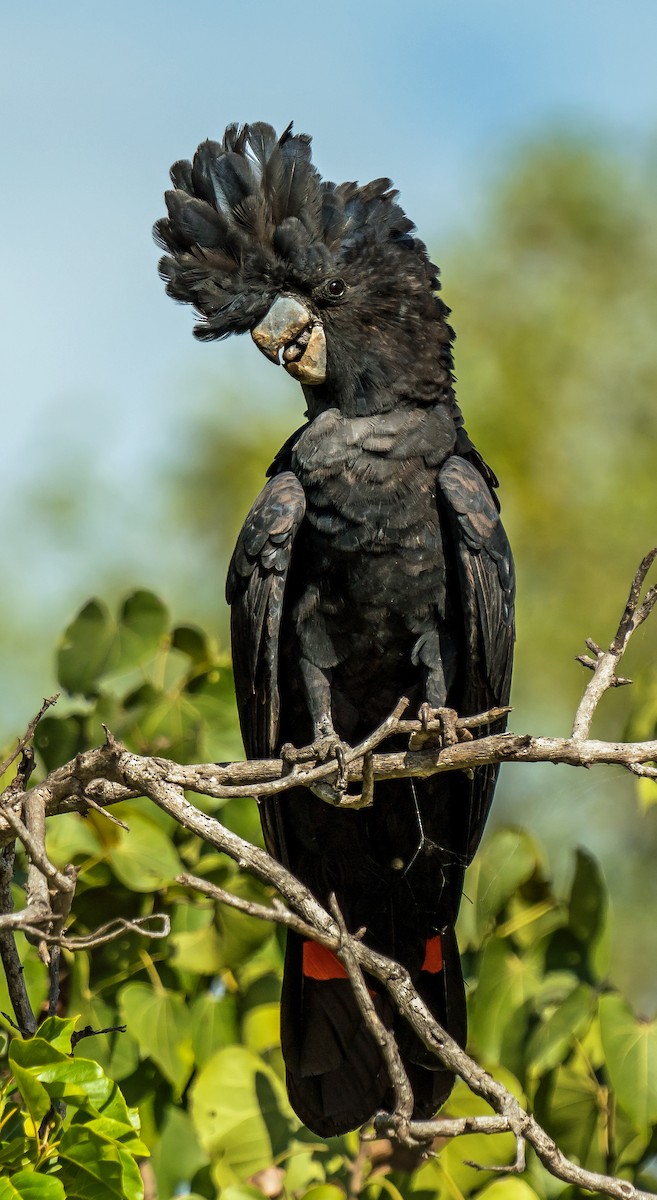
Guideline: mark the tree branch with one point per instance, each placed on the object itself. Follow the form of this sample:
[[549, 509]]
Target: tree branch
[[8, 953], [605, 663], [399, 1080], [26, 738], [111, 773], [311, 919], [100, 773]]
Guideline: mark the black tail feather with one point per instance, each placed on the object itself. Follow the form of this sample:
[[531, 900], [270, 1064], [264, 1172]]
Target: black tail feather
[[336, 1076]]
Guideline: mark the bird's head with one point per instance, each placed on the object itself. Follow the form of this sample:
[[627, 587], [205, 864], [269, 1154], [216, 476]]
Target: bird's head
[[328, 278]]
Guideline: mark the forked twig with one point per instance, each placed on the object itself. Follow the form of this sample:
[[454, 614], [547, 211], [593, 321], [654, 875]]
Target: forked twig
[[605, 663]]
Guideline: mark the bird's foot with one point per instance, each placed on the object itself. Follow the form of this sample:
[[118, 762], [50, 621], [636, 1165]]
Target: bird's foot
[[325, 747], [331, 746], [440, 727]]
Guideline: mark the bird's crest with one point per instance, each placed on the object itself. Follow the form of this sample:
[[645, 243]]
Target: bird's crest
[[251, 215]]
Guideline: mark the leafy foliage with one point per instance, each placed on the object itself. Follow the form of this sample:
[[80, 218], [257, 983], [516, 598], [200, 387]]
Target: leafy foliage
[[557, 375], [66, 1130], [201, 1060]]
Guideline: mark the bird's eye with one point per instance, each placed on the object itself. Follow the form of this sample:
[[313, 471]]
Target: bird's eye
[[336, 288]]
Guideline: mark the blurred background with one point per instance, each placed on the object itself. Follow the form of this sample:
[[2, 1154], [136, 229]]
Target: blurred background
[[523, 139]]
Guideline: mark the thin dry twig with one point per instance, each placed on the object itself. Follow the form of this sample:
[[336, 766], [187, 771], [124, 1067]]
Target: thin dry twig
[[605, 663], [397, 1075], [26, 738], [108, 932]]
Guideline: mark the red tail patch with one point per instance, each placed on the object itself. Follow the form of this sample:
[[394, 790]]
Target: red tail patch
[[320, 963], [433, 955]]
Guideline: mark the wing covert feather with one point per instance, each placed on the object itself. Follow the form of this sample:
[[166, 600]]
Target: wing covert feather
[[255, 590], [487, 581], [487, 589]]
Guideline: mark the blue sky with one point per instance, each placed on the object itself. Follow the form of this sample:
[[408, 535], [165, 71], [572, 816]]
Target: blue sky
[[98, 100]]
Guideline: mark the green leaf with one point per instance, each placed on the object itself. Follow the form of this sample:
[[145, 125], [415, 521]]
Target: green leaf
[[124, 1057], [197, 951], [75, 1081], [143, 622], [19, 1150], [213, 1025], [71, 836], [214, 700], [327, 1191], [31, 1185], [191, 641], [506, 982], [552, 1041], [261, 1027], [117, 1123], [571, 1106], [116, 1108], [96, 1169], [429, 1182], [85, 649], [34, 1095], [241, 1113], [246, 1191], [58, 1031], [242, 934], [177, 1156], [630, 1047], [159, 1021], [587, 910], [115, 1132], [58, 740], [507, 861], [508, 1189], [303, 1167], [94, 1012], [143, 858], [457, 1156], [169, 724], [588, 897]]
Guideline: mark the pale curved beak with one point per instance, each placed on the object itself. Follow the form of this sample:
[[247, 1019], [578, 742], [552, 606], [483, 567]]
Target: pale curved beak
[[290, 327]]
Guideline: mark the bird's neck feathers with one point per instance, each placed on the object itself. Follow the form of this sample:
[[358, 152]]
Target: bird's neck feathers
[[404, 356]]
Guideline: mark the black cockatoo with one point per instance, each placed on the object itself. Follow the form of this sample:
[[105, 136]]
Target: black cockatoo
[[372, 565]]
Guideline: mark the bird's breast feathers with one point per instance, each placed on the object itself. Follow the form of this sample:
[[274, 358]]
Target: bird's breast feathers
[[370, 482]]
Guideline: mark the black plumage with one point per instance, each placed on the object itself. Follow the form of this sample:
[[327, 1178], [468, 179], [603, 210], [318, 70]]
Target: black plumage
[[372, 565]]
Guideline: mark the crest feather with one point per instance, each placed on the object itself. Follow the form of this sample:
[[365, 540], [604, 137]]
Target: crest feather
[[252, 212]]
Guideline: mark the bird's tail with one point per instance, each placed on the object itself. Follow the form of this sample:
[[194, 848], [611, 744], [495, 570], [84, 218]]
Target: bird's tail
[[336, 1076]]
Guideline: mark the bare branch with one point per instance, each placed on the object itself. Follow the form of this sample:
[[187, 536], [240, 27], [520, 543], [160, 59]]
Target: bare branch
[[108, 932], [510, 1115], [33, 841], [36, 890], [26, 738], [383, 1037], [8, 953], [97, 772], [606, 661], [89, 1031], [10, 920]]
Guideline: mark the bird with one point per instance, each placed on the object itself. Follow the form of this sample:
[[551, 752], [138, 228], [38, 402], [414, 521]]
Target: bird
[[372, 565]]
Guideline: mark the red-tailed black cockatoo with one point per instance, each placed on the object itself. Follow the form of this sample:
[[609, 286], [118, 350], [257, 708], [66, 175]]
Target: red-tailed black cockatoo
[[372, 565]]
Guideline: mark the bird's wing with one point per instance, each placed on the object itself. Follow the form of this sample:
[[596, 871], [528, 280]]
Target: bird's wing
[[255, 590], [487, 588]]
